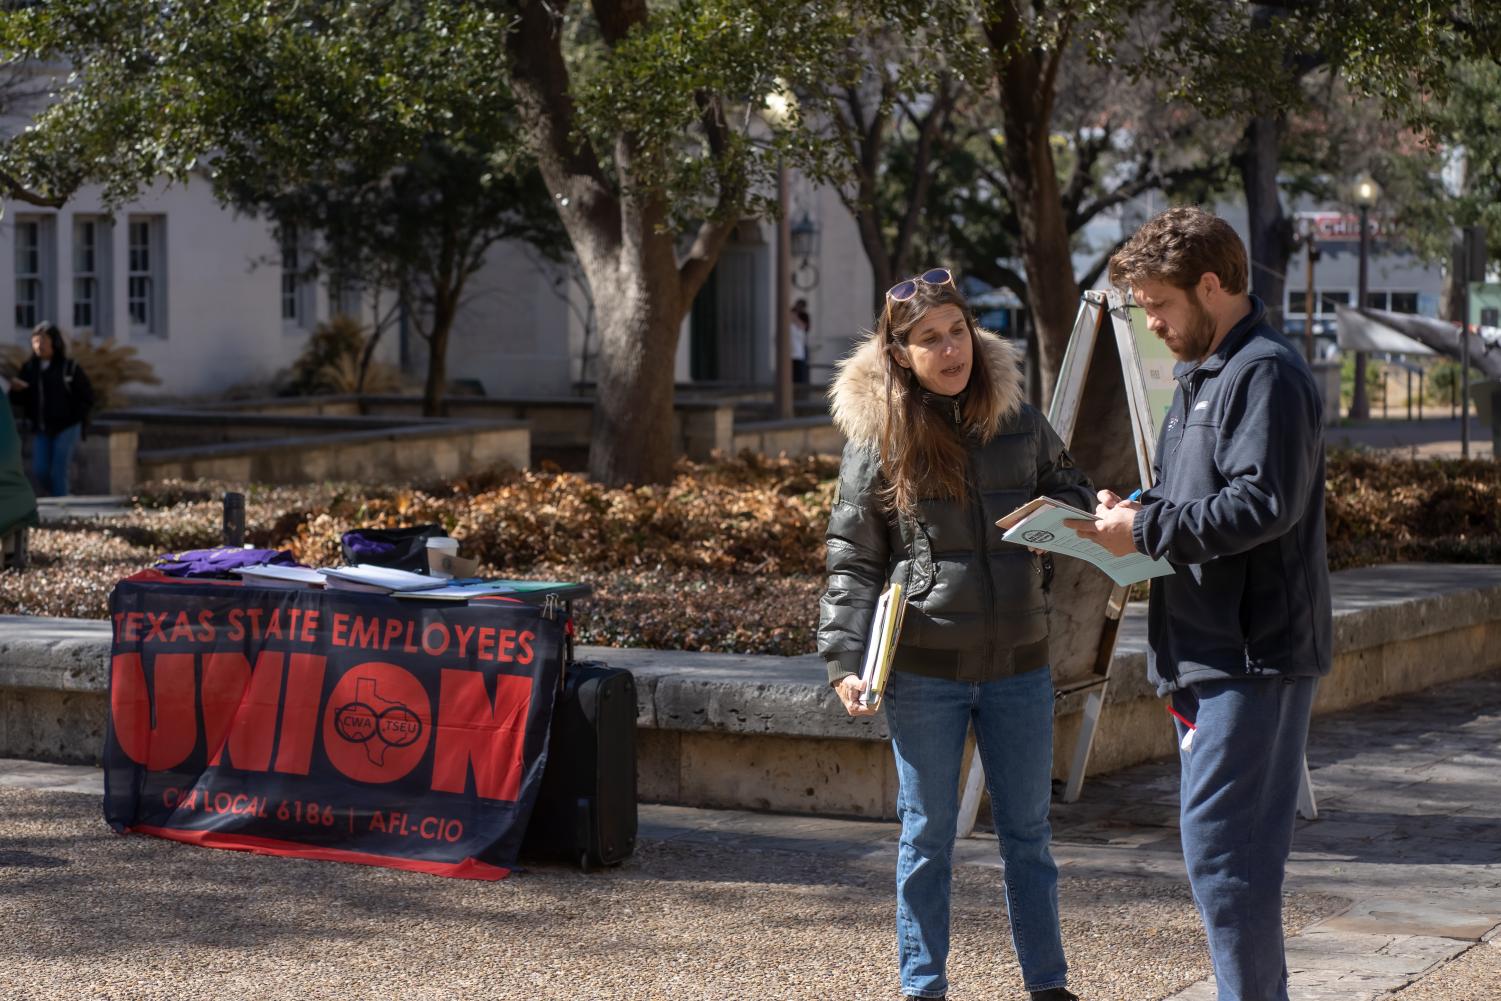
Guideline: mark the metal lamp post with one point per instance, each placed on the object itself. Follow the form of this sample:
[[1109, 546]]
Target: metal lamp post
[[804, 234], [781, 105], [1310, 236], [1364, 193]]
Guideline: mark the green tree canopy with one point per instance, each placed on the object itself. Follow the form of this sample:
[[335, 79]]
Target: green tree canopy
[[382, 131]]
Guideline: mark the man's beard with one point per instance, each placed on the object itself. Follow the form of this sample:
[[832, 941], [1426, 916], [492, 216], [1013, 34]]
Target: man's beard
[[1193, 343]]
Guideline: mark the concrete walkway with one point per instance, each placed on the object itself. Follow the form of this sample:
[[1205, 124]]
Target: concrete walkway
[[1396, 890], [1428, 438]]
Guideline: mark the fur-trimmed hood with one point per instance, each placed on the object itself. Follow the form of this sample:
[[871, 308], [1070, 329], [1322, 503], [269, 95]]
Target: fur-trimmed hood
[[857, 399]]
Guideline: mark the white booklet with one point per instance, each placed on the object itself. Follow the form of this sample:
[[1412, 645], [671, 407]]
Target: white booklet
[[368, 577], [1040, 524], [880, 647], [461, 591], [269, 575]]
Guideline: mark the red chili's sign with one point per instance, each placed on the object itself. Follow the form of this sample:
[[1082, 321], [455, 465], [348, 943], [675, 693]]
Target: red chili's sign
[[326, 724]]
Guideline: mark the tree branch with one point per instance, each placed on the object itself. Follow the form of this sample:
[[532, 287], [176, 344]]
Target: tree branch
[[1092, 275], [1087, 153], [715, 231], [1141, 184], [539, 77], [18, 191], [922, 177], [1048, 88], [617, 17]]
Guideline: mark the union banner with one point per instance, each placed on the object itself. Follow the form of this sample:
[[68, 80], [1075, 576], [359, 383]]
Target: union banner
[[328, 724]]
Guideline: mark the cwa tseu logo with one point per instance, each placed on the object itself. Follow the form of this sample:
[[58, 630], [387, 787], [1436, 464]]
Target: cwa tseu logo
[[376, 723]]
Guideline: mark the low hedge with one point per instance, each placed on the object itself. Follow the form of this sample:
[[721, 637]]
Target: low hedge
[[728, 556]]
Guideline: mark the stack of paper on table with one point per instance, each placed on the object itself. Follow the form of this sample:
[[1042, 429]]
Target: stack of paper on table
[[461, 590], [380, 580], [270, 575], [880, 648], [1039, 523]]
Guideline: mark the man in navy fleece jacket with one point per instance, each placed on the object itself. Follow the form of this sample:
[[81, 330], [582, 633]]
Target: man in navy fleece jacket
[[1241, 632]]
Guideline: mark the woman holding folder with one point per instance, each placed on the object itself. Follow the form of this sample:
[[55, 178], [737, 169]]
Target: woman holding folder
[[939, 445]]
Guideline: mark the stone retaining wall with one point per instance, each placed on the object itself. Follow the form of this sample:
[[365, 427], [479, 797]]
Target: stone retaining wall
[[795, 437], [699, 426], [427, 450], [767, 733], [298, 440]]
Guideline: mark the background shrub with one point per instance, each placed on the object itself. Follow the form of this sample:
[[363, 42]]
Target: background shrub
[[727, 557]]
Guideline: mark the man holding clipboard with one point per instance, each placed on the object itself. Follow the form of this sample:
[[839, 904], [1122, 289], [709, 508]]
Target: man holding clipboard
[[1239, 635]]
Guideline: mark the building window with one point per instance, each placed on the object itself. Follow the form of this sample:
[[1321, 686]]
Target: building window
[[33, 268], [144, 282], [91, 254], [296, 287], [345, 299], [290, 306], [1404, 302], [1297, 301]]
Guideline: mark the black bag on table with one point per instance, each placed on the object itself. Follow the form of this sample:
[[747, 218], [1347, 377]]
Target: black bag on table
[[398, 548], [586, 807]]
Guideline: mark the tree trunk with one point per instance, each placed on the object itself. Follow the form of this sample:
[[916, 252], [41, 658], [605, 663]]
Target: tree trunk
[[640, 301], [368, 355], [1027, 79], [1034, 363], [445, 306], [1052, 295], [1452, 292], [631, 437], [1270, 230], [621, 239], [1102, 444], [868, 224]]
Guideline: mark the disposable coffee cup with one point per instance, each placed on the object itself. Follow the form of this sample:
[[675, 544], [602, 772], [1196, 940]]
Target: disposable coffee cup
[[441, 550]]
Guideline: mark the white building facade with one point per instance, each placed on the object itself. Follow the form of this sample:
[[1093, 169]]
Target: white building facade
[[212, 302]]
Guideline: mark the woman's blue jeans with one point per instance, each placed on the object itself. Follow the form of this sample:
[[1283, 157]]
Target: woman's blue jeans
[[1013, 720], [50, 456]]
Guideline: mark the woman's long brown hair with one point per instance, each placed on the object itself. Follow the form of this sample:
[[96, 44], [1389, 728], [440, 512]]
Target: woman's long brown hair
[[921, 454]]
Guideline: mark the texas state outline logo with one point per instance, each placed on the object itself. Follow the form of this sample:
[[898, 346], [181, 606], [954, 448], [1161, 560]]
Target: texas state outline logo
[[375, 722]]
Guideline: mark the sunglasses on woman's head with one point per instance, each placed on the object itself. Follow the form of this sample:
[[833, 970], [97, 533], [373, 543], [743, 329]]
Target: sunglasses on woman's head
[[902, 291]]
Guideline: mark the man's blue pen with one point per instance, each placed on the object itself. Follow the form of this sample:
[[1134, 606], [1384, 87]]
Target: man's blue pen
[[1135, 495]]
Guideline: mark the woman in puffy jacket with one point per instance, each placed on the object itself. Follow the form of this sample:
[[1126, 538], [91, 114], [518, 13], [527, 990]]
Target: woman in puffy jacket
[[939, 445]]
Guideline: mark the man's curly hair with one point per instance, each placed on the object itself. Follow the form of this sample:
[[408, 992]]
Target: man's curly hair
[[1179, 247]]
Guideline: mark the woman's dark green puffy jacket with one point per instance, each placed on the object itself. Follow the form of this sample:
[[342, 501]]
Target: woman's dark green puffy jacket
[[977, 605]]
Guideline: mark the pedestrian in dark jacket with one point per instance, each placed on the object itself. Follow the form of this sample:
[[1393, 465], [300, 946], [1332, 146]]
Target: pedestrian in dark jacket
[[1240, 634], [940, 445], [55, 396]]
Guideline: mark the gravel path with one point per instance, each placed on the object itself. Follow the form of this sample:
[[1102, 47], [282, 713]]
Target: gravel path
[[1474, 976], [92, 915]]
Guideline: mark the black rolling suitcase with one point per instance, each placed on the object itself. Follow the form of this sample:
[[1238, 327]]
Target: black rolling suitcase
[[586, 808]]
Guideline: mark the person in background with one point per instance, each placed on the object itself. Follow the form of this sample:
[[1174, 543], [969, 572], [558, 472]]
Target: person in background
[[1239, 636], [939, 445], [55, 396], [800, 326]]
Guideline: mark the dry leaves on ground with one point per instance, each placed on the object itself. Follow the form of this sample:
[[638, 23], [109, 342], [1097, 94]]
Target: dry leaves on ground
[[726, 557]]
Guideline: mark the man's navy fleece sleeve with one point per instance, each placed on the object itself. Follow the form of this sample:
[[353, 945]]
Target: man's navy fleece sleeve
[[1266, 460]]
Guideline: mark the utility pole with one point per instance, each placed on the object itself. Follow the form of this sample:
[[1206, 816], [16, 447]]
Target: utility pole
[[1310, 297], [1360, 405], [1474, 271]]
